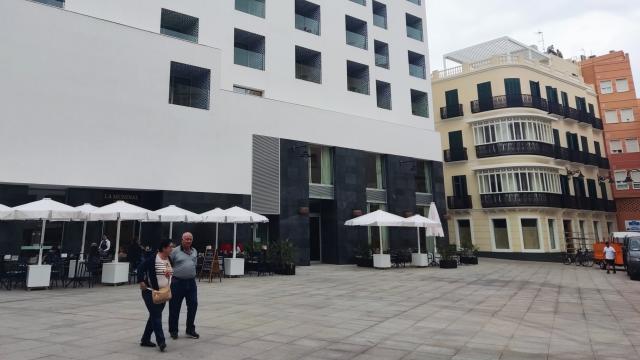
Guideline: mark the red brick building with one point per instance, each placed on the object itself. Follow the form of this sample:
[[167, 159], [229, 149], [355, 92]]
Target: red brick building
[[620, 111]]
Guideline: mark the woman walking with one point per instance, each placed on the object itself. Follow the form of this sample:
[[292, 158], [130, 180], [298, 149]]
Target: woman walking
[[154, 273]]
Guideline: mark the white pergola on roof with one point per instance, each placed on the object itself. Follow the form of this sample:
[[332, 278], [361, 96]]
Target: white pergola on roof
[[501, 46]]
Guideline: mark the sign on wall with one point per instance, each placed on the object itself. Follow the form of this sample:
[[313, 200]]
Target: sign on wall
[[632, 225]]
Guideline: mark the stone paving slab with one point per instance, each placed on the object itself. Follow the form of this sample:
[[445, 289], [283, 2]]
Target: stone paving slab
[[499, 309]]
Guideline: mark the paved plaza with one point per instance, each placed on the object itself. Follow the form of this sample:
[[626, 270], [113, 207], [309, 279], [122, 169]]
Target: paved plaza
[[496, 310]]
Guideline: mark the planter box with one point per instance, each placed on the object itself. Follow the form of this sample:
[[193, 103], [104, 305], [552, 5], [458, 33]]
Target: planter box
[[469, 260], [364, 262], [115, 273], [419, 260], [38, 276], [382, 261], [233, 267], [289, 269], [448, 264]]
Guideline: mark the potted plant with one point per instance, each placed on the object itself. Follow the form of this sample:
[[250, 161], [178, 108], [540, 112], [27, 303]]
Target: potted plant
[[281, 256], [448, 256], [469, 253], [363, 255]]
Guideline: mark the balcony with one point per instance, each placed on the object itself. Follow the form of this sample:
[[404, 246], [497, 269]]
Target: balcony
[[459, 202], [307, 24], [611, 206], [524, 199], [450, 112], [249, 58], [515, 148], [509, 101], [455, 155]]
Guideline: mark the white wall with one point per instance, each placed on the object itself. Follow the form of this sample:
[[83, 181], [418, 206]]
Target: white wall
[[218, 18], [85, 103]]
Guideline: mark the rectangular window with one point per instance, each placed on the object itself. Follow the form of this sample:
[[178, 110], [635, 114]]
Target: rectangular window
[[621, 177], [179, 25], [414, 27], [417, 2], [416, 65], [189, 86], [379, 14], [606, 87], [320, 165], [552, 234], [247, 91], [530, 238], [361, 2], [500, 234], [357, 77], [596, 230], [308, 17], [622, 85], [419, 103], [383, 94], [252, 7], [626, 115], [308, 65], [615, 146], [249, 49], [464, 233], [356, 32], [611, 116], [632, 145], [382, 53], [423, 177], [374, 171], [56, 3]]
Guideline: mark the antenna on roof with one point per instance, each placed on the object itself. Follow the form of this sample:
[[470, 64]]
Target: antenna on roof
[[541, 34]]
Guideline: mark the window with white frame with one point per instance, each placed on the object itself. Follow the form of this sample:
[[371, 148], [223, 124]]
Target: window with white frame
[[606, 87], [611, 116], [620, 177], [516, 180], [632, 145], [500, 234], [596, 230], [622, 85], [615, 146], [552, 234], [626, 115], [530, 235], [513, 129]]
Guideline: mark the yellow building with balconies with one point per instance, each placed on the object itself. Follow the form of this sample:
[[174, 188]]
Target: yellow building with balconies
[[526, 174]]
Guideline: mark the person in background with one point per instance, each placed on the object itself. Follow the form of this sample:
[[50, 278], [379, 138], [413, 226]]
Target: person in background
[[183, 287], [134, 253], [53, 256], [610, 257], [153, 274], [122, 255], [105, 246]]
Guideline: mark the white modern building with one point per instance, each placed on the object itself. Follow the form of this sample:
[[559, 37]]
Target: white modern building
[[309, 112]]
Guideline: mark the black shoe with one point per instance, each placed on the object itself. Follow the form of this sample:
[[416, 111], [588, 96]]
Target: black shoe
[[193, 334], [162, 347], [174, 335], [147, 344]]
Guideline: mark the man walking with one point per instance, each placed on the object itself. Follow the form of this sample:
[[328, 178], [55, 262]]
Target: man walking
[[183, 286], [610, 257]]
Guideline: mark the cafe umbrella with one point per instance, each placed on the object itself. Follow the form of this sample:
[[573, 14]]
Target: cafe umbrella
[[380, 219], [437, 230], [84, 213], [6, 213], [237, 215], [216, 216], [172, 213], [418, 221]]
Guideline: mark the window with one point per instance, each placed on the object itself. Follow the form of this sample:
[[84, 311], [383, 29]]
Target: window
[[249, 49], [500, 234], [419, 103], [179, 25], [382, 54], [357, 77], [611, 116], [610, 227], [530, 238], [414, 27], [308, 17], [606, 87], [383, 94], [361, 2], [622, 85], [379, 14], [417, 2], [374, 231], [320, 165], [253, 7], [519, 180], [374, 171], [632, 145], [189, 86], [464, 233], [56, 3], [520, 128], [621, 177], [356, 32], [416, 65], [247, 91], [626, 115], [596, 230], [308, 65], [423, 177], [552, 234], [615, 146]]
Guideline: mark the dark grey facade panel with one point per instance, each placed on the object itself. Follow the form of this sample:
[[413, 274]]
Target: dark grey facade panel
[[265, 179]]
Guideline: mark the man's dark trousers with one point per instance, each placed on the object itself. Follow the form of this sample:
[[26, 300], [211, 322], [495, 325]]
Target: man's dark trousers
[[183, 289]]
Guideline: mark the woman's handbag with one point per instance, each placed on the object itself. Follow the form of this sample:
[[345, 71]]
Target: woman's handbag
[[161, 296]]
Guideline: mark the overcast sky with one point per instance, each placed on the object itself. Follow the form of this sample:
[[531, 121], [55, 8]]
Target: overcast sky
[[575, 27]]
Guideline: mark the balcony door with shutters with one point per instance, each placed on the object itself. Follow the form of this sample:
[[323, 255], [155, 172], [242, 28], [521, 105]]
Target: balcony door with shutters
[[591, 186], [460, 186], [556, 137], [513, 92], [552, 95], [565, 99], [456, 144], [535, 93], [485, 96], [453, 107], [603, 191], [585, 144]]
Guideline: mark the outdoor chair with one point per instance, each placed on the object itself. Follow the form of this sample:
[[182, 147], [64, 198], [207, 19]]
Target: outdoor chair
[[59, 271], [15, 273]]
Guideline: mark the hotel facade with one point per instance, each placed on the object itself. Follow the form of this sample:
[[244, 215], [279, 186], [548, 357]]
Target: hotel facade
[[525, 164], [309, 112]]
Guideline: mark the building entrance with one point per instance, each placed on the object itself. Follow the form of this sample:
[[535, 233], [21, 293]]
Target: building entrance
[[315, 237]]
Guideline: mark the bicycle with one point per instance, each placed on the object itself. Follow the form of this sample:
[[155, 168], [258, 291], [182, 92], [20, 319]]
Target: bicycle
[[584, 258], [568, 258]]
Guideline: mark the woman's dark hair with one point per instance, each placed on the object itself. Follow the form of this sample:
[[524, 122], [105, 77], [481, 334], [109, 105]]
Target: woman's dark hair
[[163, 244]]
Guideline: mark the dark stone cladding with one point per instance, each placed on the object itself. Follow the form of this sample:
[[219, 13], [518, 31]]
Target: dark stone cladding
[[439, 197], [294, 194], [401, 198], [544, 257]]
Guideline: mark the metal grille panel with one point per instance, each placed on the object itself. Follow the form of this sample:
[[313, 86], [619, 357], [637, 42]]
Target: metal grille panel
[[377, 196], [265, 181], [318, 191], [423, 199]]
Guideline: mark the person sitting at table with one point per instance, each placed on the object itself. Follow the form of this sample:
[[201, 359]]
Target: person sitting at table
[[105, 246], [53, 256], [122, 255]]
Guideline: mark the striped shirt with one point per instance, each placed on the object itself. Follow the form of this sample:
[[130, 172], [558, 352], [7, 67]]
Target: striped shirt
[[161, 267]]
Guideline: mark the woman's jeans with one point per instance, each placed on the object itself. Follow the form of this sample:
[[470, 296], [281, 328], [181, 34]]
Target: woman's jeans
[[154, 323]]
